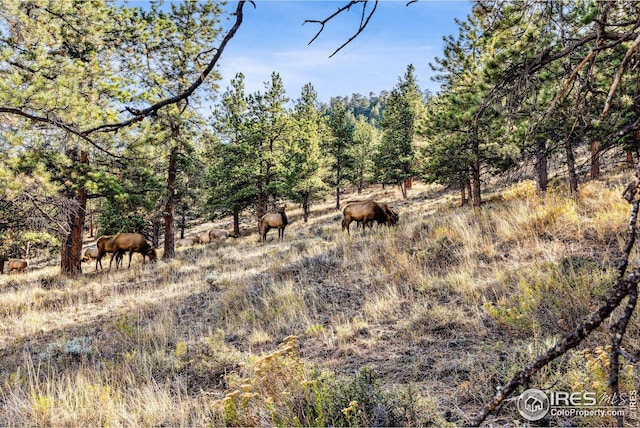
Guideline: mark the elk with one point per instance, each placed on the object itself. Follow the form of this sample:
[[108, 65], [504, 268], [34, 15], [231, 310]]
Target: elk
[[121, 243], [105, 245], [18, 265], [366, 212], [274, 220], [90, 253], [204, 237], [187, 242], [218, 234], [134, 243]]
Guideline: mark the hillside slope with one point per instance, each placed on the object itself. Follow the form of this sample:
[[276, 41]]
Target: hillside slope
[[412, 325]]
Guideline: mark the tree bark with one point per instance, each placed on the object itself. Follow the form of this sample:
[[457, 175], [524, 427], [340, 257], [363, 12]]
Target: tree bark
[[71, 251], [169, 208], [463, 192], [261, 209], [403, 189], [305, 207], [595, 160], [542, 168], [475, 183], [571, 166], [338, 185], [236, 222]]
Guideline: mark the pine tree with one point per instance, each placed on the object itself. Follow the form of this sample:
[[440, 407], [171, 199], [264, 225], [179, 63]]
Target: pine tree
[[394, 161], [338, 145], [303, 161]]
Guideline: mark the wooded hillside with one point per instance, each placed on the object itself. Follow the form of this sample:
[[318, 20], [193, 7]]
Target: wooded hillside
[[103, 130]]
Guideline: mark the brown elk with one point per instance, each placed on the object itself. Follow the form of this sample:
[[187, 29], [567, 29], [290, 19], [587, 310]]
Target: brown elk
[[90, 253], [105, 245], [392, 216], [134, 243], [123, 242], [366, 212], [218, 234], [204, 238], [18, 265], [187, 242], [275, 220]]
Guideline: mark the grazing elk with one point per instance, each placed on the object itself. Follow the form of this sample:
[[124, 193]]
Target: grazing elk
[[105, 245], [218, 234], [204, 238], [120, 244], [366, 212], [187, 242], [17, 264], [274, 220], [134, 243], [90, 253]]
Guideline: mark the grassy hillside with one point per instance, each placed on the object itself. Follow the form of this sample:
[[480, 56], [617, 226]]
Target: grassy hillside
[[413, 325]]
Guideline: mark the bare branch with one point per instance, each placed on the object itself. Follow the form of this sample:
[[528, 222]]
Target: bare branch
[[364, 21]]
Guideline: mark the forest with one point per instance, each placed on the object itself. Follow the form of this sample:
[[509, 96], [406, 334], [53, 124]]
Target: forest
[[102, 131]]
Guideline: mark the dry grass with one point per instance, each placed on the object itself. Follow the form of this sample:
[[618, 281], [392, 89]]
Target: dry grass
[[413, 325]]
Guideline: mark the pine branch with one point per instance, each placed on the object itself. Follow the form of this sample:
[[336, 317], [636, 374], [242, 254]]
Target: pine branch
[[153, 109]]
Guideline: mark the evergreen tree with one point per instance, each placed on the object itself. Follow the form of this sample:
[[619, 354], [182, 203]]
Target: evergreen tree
[[394, 161], [230, 164], [269, 126], [366, 139], [339, 144], [303, 161]]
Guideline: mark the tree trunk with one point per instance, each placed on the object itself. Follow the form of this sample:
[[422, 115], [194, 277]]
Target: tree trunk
[[156, 226], [305, 207], [71, 251], [236, 222], [595, 160], [629, 159], [475, 184], [91, 235], [169, 208], [463, 193], [338, 186], [571, 166], [261, 209], [403, 188], [183, 223], [542, 174]]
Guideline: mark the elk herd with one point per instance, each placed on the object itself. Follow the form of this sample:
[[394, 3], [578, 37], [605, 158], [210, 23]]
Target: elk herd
[[365, 213]]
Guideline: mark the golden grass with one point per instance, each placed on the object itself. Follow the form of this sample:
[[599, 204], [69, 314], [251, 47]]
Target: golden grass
[[428, 304]]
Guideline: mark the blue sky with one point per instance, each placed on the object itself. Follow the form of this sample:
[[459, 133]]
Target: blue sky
[[273, 38]]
